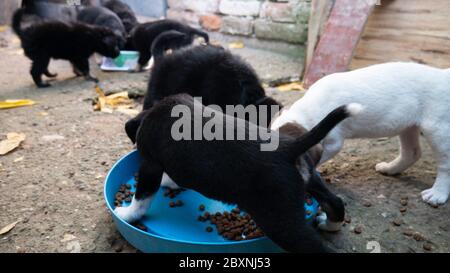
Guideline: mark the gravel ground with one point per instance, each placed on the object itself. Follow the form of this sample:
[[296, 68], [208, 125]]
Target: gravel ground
[[53, 184]]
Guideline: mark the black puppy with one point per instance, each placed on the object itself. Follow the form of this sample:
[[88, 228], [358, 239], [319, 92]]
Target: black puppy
[[100, 16], [208, 71], [74, 42], [144, 35], [267, 185], [124, 12]]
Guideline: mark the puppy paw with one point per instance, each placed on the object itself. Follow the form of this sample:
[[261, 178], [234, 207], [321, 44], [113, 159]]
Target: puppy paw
[[434, 197], [128, 214], [385, 168], [324, 224], [44, 85], [91, 78]]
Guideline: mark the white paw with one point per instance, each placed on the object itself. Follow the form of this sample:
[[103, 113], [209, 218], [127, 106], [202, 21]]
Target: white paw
[[385, 168], [324, 224], [127, 214], [434, 197]]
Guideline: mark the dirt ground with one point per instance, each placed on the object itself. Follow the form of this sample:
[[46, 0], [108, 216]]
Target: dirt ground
[[53, 184]]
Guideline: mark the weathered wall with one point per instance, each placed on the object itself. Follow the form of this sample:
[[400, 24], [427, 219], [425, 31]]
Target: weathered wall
[[280, 20], [7, 8]]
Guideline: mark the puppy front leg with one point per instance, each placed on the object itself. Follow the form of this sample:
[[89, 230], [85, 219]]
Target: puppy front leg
[[333, 206], [50, 75], [440, 191], [142, 62], [149, 178], [38, 68], [410, 152]]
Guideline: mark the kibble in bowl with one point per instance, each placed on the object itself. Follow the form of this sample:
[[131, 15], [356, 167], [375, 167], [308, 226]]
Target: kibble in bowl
[[194, 223]]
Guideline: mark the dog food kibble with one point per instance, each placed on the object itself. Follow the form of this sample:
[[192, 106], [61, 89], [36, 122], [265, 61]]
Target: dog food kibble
[[209, 229], [123, 194], [397, 222], [408, 232], [179, 203], [403, 209], [172, 193], [404, 202], [427, 246], [367, 204], [202, 207], [172, 204], [358, 229], [233, 225], [141, 227], [418, 237], [348, 219]]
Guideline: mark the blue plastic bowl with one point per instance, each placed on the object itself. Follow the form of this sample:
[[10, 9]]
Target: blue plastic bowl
[[177, 230]]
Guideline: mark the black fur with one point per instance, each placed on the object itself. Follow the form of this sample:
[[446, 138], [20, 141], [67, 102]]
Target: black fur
[[210, 72], [104, 17], [267, 185], [74, 42], [124, 12], [143, 36]]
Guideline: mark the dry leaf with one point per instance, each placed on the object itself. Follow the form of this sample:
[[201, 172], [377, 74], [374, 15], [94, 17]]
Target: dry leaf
[[11, 142], [7, 104], [236, 45], [18, 159], [8, 228], [68, 237], [118, 101], [294, 86]]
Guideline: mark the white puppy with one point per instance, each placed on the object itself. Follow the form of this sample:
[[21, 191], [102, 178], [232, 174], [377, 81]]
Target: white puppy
[[401, 99]]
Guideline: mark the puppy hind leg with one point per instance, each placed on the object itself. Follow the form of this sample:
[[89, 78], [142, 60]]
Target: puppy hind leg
[[332, 145], [333, 206], [282, 216], [410, 152], [149, 175]]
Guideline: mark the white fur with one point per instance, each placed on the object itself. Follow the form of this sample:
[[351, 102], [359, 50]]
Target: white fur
[[325, 224], [401, 99], [166, 181], [135, 210], [138, 208]]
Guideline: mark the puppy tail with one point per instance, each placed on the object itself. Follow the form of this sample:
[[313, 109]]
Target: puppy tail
[[17, 20], [167, 40], [321, 130], [202, 34]]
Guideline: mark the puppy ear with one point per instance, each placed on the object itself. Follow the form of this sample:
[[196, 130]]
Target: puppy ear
[[268, 101], [132, 126]]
